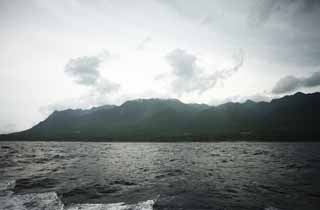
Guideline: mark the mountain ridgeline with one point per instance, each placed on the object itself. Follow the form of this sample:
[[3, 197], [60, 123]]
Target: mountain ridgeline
[[291, 118]]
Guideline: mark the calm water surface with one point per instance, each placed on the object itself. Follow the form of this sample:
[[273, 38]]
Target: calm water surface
[[193, 176]]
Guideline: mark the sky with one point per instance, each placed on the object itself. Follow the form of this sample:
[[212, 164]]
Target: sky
[[62, 54]]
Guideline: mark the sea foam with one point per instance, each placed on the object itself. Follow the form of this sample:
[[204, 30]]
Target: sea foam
[[51, 201]]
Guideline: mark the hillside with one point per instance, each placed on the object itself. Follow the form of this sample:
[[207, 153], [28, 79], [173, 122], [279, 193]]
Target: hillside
[[294, 117]]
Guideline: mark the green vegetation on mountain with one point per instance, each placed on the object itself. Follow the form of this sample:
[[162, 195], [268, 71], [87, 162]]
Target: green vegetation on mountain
[[295, 117]]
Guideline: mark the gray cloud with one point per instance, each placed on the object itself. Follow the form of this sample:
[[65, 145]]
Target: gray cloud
[[189, 77], [264, 9], [261, 12], [307, 6], [288, 33], [313, 80], [287, 84], [183, 64], [291, 83], [84, 69], [277, 31]]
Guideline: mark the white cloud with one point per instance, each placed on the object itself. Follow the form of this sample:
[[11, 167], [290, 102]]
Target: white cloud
[[144, 43], [8, 128]]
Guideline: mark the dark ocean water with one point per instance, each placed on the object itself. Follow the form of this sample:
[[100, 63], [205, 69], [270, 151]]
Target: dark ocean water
[[228, 175]]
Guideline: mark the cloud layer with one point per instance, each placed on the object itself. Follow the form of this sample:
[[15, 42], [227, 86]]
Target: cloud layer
[[85, 71], [291, 83], [8, 128], [188, 76], [263, 10], [279, 37]]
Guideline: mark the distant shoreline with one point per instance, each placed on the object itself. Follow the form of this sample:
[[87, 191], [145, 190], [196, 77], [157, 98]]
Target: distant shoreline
[[248, 140], [288, 119]]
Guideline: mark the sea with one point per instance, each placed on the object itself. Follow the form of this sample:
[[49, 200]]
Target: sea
[[164, 176]]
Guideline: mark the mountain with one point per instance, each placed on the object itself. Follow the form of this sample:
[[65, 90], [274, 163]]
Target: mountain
[[294, 117]]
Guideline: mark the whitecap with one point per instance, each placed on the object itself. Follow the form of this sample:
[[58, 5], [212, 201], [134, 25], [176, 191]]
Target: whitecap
[[145, 205], [31, 201], [271, 208], [7, 185], [51, 201]]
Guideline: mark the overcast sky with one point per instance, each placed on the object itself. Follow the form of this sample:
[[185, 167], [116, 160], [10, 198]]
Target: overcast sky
[[78, 54]]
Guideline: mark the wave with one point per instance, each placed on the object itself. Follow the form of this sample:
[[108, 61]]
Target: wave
[[7, 185], [145, 205], [51, 201]]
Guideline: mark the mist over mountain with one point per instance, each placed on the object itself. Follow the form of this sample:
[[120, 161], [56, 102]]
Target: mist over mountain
[[294, 117]]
